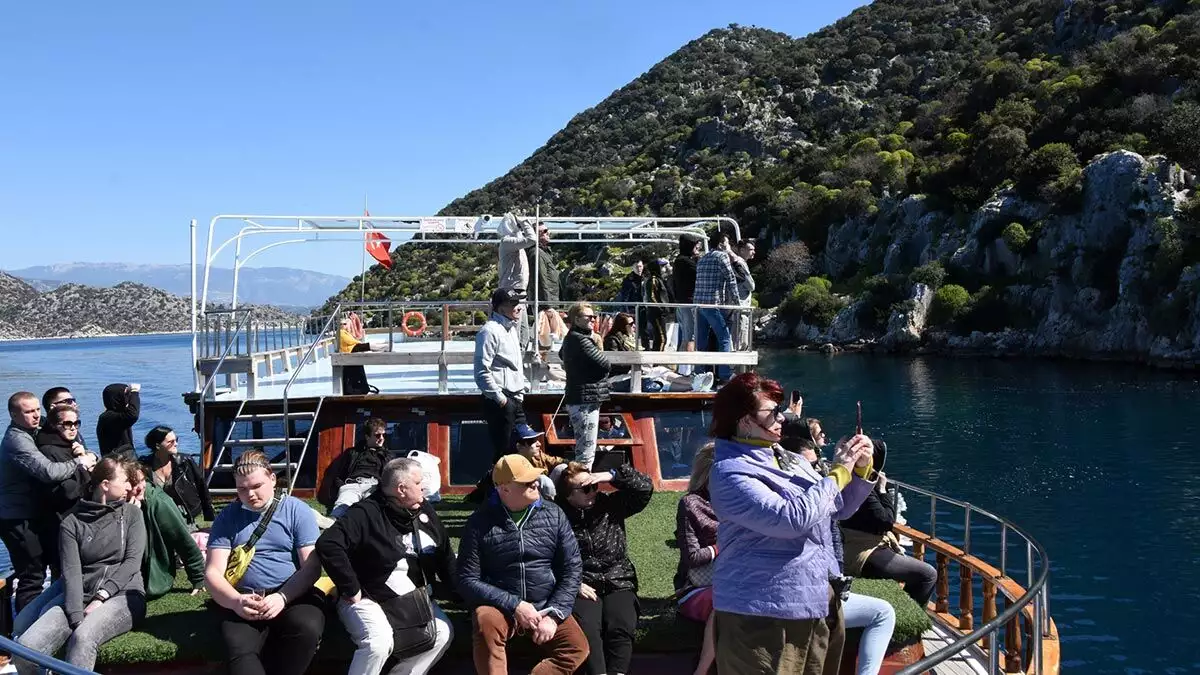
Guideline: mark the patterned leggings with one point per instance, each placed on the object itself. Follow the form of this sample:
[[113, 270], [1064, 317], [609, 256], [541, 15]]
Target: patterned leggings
[[585, 422]]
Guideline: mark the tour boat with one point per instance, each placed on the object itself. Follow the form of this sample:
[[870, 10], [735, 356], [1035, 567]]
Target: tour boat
[[277, 386]]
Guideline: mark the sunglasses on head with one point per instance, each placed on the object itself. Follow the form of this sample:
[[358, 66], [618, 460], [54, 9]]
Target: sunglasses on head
[[67, 401]]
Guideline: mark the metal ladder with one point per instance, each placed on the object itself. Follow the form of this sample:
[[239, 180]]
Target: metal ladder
[[224, 461]]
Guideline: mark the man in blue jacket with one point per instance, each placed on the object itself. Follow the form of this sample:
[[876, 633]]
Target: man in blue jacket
[[519, 569]]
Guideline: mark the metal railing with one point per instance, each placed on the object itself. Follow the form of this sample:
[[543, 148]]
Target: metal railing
[[46, 662], [217, 329], [1036, 590], [210, 382], [287, 431]]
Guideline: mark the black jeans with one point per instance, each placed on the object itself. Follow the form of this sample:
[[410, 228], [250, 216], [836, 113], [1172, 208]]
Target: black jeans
[[919, 577], [609, 625], [284, 645], [500, 421], [32, 546]]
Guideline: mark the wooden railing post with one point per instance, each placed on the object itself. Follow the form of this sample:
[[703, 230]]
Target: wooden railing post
[[966, 599], [1012, 645], [989, 612], [943, 583]]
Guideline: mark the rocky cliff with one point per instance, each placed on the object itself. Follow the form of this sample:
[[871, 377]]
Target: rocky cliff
[[1108, 278], [73, 310]]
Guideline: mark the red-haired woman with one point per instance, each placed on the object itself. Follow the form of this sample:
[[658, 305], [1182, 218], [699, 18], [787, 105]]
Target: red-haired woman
[[771, 584]]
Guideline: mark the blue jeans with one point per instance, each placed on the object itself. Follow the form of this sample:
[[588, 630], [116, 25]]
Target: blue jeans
[[687, 326], [877, 619], [714, 319]]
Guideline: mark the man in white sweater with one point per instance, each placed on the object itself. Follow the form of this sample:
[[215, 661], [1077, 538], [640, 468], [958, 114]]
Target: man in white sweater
[[500, 369]]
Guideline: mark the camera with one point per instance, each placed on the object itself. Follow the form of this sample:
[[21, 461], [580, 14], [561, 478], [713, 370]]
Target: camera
[[841, 586]]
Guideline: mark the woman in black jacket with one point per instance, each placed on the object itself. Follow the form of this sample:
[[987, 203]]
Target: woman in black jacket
[[607, 607], [587, 380], [873, 552], [383, 550], [177, 475], [59, 442], [122, 406]]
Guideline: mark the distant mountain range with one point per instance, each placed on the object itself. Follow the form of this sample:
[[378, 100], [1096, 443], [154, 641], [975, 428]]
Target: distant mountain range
[[279, 286]]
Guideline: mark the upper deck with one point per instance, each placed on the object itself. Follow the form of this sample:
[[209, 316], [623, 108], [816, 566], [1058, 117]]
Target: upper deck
[[237, 356]]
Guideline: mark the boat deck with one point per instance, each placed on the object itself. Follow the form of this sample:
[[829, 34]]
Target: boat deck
[[968, 662], [317, 378]]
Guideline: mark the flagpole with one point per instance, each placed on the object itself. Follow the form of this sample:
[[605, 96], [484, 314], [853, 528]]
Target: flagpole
[[362, 294]]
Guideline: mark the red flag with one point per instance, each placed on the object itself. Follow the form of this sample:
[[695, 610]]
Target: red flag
[[379, 246]]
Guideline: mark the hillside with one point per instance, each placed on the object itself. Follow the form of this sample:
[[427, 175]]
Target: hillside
[[279, 286], [73, 310], [912, 132]]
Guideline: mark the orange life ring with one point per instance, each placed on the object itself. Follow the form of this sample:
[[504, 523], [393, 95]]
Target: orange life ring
[[413, 332]]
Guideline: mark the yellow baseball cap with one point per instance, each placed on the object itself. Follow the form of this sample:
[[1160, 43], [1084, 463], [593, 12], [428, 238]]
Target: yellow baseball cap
[[514, 469]]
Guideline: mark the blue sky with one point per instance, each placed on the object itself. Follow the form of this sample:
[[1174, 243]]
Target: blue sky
[[122, 121]]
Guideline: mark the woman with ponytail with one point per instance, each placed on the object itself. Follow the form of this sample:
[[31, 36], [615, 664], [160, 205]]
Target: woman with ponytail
[[101, 593]]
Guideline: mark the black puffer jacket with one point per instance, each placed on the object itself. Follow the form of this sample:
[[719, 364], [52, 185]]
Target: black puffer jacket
[[363, 547], [61, 497], [501, 565], [187, 488], [587, 368], [121, 410], [600, 530]]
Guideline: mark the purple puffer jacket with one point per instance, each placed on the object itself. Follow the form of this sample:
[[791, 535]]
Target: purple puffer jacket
[[774, 537]]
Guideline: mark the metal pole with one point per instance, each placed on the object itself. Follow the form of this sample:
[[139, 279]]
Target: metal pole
[[932, 517], [237, 266], [1037, 633], [967, 531], [1003, 549], [1028, 564], [195, 370], [994, 653]]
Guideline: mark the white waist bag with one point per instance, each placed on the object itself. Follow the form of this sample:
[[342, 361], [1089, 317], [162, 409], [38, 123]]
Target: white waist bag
[[431, 475]]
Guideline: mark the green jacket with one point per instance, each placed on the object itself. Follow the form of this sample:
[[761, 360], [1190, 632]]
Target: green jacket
[[167, 539]]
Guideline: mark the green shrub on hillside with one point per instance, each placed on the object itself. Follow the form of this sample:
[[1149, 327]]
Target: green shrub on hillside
[[932, 274], [949, 303], [1051, 173], [812, 303], [880, 295], [1015, 236]]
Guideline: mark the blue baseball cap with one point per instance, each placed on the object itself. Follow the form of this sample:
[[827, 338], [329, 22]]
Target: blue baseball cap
[[524, 432]]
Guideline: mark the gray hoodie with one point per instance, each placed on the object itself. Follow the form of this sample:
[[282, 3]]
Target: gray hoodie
[[26, 474], [101, 547], [516, 235]]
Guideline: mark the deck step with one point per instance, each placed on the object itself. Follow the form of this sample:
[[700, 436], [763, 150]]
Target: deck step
[[262, 417], [238, 442], [275, 466]]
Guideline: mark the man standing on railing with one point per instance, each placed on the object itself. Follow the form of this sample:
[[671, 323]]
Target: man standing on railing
[[716, 284], [499, 369]]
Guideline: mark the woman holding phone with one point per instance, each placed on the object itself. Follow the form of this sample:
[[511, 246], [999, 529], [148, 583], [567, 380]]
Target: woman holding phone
[[775, 606]]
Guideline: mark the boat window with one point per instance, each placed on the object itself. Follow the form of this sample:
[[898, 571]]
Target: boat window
[[402, 435], [679, 435], [470, 451], [614, 429]]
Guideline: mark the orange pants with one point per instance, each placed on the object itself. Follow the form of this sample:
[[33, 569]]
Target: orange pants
[[565, 652]]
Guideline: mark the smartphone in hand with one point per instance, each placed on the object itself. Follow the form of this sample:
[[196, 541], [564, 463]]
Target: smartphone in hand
[[795, 396], [858, 425]]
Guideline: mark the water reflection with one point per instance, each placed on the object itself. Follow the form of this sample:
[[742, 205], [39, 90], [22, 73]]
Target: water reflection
[[1097, 461]]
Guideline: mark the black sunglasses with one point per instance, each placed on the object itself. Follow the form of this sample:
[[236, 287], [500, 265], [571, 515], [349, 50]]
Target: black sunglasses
[[68, 401], [586, 489], [69, 425]]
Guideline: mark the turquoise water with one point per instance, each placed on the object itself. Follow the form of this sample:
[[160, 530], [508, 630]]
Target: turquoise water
[[1099, 462]]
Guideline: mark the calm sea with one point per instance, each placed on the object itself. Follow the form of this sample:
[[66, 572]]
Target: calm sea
[[1099, 462]]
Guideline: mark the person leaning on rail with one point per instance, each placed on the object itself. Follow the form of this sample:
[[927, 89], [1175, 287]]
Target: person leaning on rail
[[778, 608]]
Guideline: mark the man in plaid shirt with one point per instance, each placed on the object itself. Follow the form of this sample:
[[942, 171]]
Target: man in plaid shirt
[[715, 285]]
